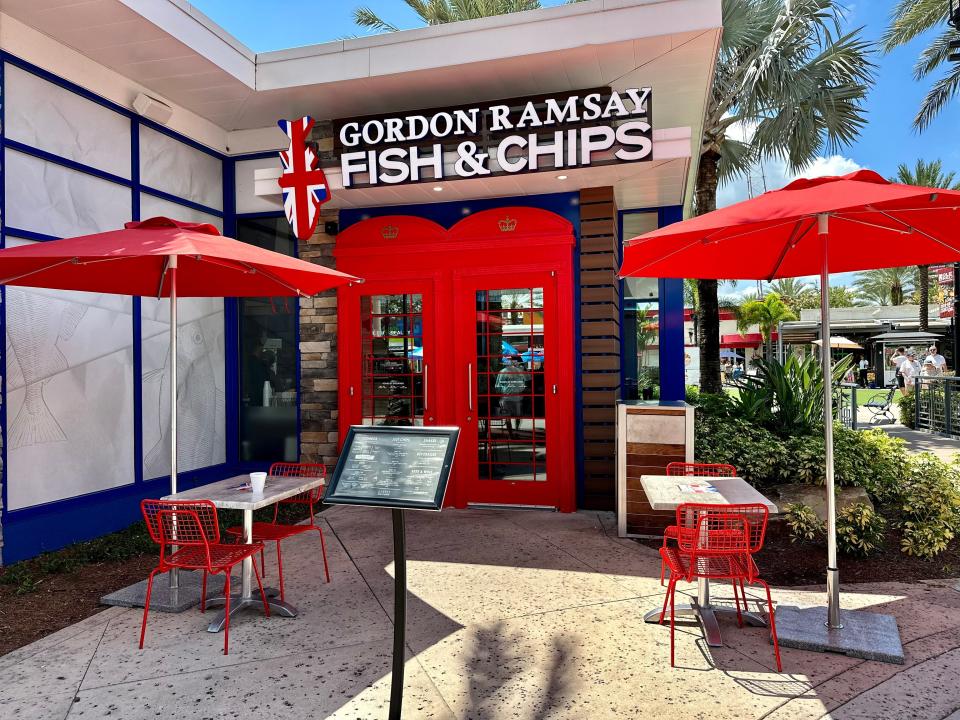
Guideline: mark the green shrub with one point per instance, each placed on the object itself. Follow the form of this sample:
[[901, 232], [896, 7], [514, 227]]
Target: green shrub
[[908, 409], [787, 398], [930, 505], [860, 530], [757, 454], [804, 524]]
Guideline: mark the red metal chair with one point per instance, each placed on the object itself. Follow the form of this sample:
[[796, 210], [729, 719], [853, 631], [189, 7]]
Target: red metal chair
[[717, 542], [264, 532], [685, 469], [191, 526]]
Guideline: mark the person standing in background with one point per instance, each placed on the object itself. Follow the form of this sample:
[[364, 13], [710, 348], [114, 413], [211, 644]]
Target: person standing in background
[[863, 365], [899, 355], [909, 369], [939, 361]]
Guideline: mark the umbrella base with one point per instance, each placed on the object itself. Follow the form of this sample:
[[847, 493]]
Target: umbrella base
[[866, 635], [163, 598]]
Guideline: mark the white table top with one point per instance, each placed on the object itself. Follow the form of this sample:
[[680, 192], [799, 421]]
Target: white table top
[[666, 492], [235, 494]]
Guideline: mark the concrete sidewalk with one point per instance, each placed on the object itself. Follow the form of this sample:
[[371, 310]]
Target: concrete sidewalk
[[523, 615]]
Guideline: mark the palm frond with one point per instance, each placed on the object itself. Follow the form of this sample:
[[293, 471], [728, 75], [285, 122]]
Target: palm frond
[[944, 90], [935, 54], [911, 18], [367, 18]]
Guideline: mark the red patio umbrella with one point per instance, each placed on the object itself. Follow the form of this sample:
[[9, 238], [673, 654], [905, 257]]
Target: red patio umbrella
[[818, 226], [160, 257]]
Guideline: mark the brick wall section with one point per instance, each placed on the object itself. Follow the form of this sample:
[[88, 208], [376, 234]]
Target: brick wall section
[[318, 358], [600, 343]]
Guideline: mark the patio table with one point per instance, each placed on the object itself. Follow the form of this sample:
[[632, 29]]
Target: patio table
[[234, 494], [667, 492]]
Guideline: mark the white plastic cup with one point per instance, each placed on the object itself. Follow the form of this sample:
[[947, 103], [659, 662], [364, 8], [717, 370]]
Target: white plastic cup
[[258, 481]]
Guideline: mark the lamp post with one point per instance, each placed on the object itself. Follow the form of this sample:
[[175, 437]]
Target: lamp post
[[953, 19]]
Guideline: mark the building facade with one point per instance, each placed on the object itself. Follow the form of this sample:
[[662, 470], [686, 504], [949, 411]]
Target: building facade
[[491, 298]]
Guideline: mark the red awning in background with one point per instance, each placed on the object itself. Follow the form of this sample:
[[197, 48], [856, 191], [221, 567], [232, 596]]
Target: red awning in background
[[750, 340]]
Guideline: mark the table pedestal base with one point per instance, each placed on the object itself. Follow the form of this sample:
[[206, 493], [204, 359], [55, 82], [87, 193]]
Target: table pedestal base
[[239, 603], [707, 617]]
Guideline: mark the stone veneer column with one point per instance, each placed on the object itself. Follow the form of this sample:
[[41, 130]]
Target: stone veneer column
[[318, 358]]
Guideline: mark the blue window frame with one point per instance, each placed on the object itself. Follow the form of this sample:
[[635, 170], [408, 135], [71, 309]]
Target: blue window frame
[[50, 525]]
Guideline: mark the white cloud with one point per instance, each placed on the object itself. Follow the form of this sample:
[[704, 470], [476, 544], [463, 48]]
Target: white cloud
[[772, 174]]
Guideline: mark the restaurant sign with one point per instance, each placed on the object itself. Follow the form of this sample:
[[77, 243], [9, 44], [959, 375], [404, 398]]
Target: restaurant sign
[[507, 137]]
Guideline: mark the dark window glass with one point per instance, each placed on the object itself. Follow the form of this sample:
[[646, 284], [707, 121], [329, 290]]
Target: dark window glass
[[268, 357]]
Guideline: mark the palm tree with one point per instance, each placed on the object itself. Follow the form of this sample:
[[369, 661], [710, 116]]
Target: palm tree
[[790, 290], [768, 313], [440, 12], [909, 19], [892, 283], [873, 296], [931, 175], [787, 71]]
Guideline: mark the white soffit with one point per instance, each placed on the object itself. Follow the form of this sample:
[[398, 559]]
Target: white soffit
[[172, 48]]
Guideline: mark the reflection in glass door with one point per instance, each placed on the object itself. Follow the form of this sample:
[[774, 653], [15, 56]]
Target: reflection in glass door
[[393, 369], [511, 413]]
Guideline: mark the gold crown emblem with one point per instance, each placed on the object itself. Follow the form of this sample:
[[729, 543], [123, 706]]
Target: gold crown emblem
[[389, 232], [508, 224]]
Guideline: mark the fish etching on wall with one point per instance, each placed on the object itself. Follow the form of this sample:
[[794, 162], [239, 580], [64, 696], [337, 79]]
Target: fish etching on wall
[[36, 324], [198, 401]]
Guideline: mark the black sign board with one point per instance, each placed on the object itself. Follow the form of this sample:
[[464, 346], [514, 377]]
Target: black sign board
[[394, 467]]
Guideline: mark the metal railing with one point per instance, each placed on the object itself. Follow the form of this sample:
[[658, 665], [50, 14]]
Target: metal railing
[[938, 404], [845, 400]]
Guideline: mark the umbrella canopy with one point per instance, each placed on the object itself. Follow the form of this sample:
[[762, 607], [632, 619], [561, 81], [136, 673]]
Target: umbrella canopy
[[135, 261], [725, 353], [839, 342], [907, 337], [809, 227], [776, 234]]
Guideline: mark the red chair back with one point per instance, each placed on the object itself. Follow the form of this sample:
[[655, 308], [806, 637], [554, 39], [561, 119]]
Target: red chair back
[[309, 470], [690, 516], [701, 469], [182, 523]]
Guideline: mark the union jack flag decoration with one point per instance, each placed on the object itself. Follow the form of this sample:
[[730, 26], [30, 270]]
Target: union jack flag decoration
[[302, 183]]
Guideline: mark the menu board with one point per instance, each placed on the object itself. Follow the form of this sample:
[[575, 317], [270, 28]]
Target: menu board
[[396, 467]]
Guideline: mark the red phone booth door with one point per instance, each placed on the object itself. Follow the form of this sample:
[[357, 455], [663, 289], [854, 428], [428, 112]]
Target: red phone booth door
[[457, 337]]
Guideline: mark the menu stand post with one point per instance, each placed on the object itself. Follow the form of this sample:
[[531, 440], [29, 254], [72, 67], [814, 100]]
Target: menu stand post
[[399, 613]]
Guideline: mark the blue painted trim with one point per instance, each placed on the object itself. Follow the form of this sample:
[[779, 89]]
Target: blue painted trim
[[4, 477], [67, 163], [181, 201], [52, 525], [231, 327], [99, 100], [672, 383]]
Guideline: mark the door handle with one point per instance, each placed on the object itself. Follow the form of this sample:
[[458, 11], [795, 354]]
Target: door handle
[[554, 389], [470, 386], [426, 387]]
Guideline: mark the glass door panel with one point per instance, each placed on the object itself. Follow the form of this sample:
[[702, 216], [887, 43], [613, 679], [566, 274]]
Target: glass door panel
[[512, 442], [392, 361]]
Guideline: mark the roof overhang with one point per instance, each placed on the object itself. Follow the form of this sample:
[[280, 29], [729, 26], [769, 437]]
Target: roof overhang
[[183, 57]]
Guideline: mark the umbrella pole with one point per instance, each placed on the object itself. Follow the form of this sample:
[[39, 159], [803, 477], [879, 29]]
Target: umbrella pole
[[172, 270], [833, 574]]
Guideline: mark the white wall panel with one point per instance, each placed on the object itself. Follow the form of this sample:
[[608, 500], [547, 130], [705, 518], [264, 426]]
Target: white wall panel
[[201, 418], [152, 206], [69, 393], [247, 201], [170, 165], [51, 199], [46, 116]]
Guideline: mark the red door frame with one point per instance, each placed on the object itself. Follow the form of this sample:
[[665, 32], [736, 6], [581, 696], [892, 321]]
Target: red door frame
[[400, 253]]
